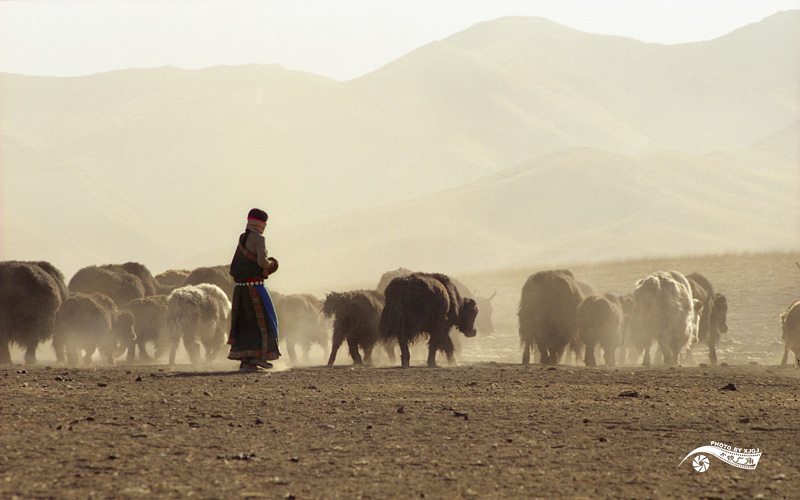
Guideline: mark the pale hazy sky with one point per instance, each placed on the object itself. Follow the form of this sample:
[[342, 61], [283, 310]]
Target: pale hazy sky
[[340, 39]]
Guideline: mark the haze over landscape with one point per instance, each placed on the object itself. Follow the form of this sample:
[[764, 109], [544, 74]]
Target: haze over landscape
[[514, 142]]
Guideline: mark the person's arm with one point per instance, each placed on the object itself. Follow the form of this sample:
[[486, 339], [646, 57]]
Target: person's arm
[[259, 246]]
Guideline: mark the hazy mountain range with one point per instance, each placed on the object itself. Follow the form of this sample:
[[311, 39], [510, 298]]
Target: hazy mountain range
[[515, 141]]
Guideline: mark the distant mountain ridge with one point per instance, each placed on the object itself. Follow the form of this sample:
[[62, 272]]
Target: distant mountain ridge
[[159, 165]]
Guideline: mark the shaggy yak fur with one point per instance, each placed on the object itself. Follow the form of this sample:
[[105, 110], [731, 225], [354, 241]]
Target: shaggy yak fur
[[172, 278], [547, 315], [790, 323], [664, 312], [151, 286], [150, 324], [388, 276], [30, 295], [714, 317], [112, 281], [356, 316], [198, 313], [218, 275], [483, 322], [426, 304], [89, 322], [598, 322], [301, 324]]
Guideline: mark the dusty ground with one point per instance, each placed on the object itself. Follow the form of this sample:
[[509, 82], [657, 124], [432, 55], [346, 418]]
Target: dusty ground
[[489, 428], [486, 430]]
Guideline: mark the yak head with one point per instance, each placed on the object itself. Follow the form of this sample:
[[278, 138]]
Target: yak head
[[466, 318]]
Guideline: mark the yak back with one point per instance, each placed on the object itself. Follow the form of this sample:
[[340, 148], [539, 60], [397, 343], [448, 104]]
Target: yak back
[[548, 297], [57, 275], [352, 304], [217, 275], [112, 281], [151, 286], [172, 278], [193, 303], [29, 300]]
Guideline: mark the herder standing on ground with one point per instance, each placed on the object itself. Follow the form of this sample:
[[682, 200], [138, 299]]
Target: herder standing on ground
[[254, 324]]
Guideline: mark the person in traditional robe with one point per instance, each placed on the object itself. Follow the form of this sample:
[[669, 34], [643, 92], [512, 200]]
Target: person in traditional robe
[[254, 324]]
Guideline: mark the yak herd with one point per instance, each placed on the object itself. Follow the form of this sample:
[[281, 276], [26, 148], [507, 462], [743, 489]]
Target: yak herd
[[117, 310]]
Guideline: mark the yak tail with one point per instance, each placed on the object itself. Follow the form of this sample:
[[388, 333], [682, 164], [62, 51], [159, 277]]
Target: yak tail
[[393, 321]]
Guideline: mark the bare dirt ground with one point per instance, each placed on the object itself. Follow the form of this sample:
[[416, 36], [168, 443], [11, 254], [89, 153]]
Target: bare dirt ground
[[488, 430]]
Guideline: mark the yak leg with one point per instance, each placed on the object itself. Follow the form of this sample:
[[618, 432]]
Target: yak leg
[[211, 353], [609, 355], [291, 347], [87, 358], [191, 345], [368, 355], [107, 354], [173, 349], [784, 361], [544, 354], [58, 347], [405, 355], [131, 352], [558, 354], [526, 353], [337, 342], [324, 346], [432, 354], [389, 349], [30, 352], [72, 354], [5, 354], [352, 346], [670, 356], [142, 351], [646, 357], [588, 356], [712, 353], [449, 349]]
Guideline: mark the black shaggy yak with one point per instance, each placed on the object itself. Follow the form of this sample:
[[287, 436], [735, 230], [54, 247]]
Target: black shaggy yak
[[356, 316], [547, 314], [426, 304], [483, 322], [30, 295]]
